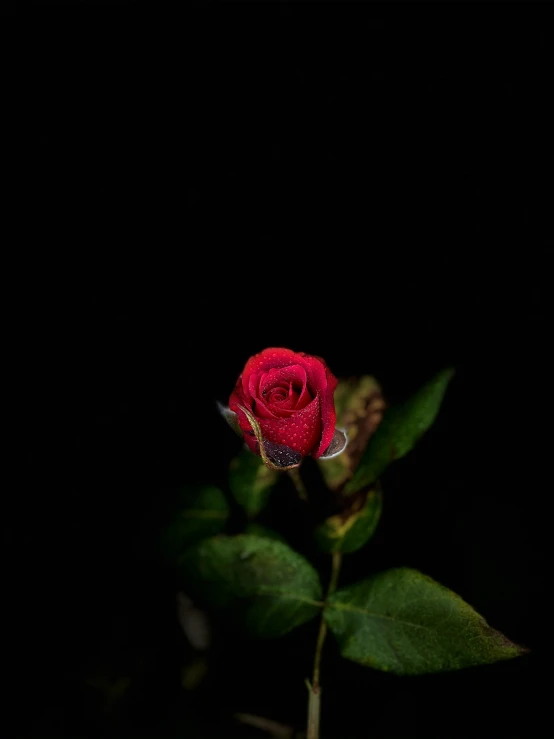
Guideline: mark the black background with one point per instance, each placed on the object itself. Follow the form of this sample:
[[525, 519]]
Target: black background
[[371, 193]]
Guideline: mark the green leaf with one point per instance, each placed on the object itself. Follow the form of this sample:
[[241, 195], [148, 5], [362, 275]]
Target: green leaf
[[404, 622], [401, 427], [251, 482], [348, 531], [202, 511], [267, 587], [257, 529]]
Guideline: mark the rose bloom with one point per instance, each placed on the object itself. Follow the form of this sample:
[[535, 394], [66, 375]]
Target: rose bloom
[[283, 400]]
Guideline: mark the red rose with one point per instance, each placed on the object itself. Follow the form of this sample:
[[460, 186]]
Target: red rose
[[284, 406]]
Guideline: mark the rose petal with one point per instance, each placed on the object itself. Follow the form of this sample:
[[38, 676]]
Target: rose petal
[[304, 398], [328, 414], [262, 410], [301, 430], [285, 377], [281, 395], [275, 377], [266, 360], [253, 385], [326, 382], [315, 368]]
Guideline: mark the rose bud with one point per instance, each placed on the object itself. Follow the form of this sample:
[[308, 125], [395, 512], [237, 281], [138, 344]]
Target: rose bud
[[284, 408]]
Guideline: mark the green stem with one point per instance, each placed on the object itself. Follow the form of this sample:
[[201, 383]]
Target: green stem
[[336, 562], [298, 483], [314, 701]]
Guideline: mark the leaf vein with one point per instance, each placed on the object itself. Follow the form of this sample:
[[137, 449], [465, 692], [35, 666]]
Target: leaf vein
[[366, 612]]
